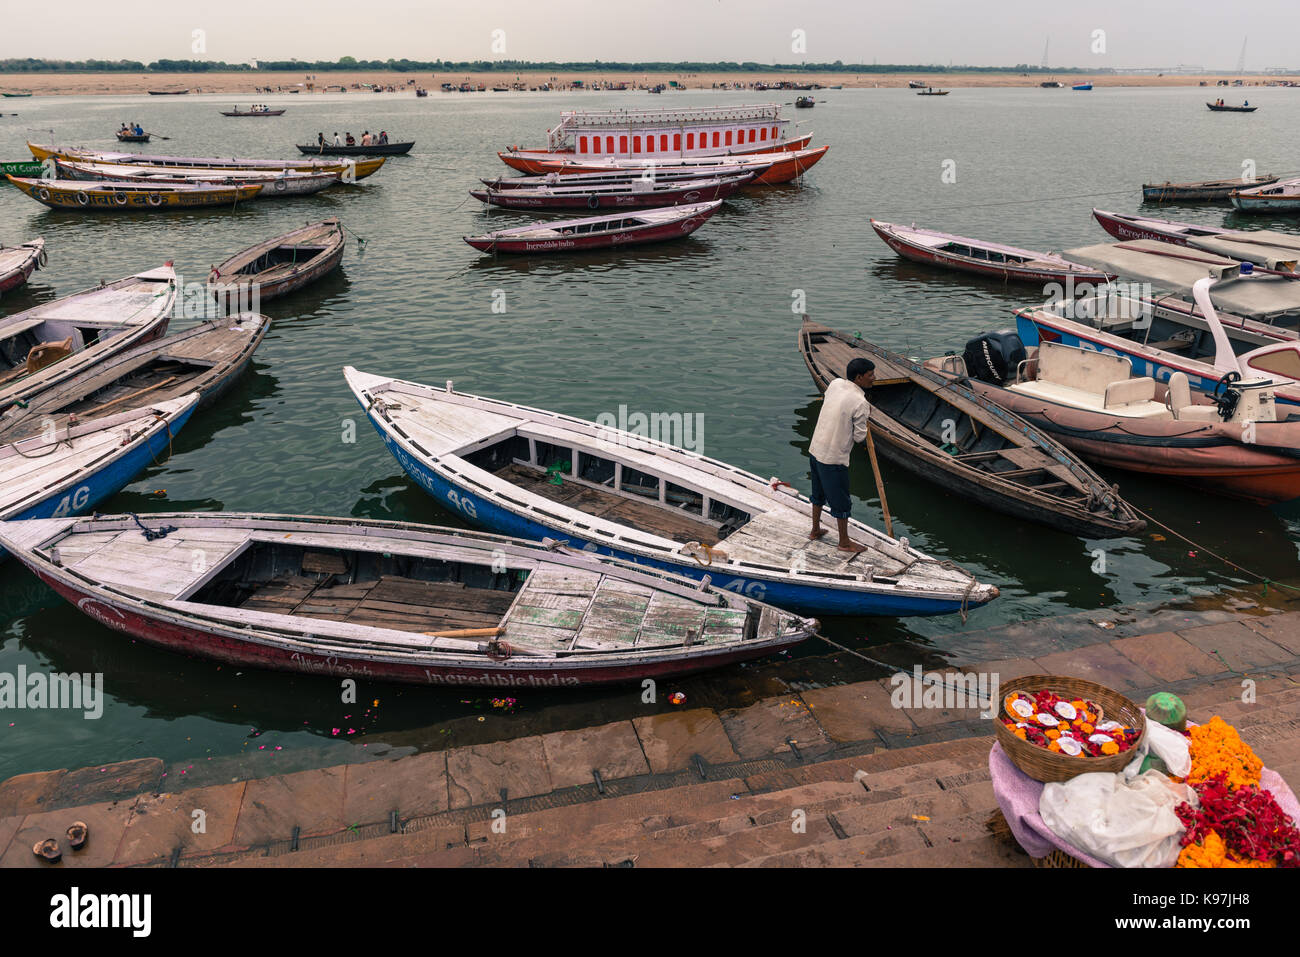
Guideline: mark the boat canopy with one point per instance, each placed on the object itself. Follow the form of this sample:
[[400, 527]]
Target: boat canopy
[[1176, 269]]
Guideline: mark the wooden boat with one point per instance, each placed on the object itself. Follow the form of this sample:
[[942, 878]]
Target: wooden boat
[[934, 92], [780, 168], [280, 265], [15, 95], [17, 263], [804, 102], [276, 184], [1081, 87], [638, 194], [375, 149], [133, 137], [1123, 226], [626, 177], [1052, 85], [915, 85], [168, 92], [1231, 109], [237, 112], [357, 169], [393, 601], [82, 464], [537, 474], [131, 195], [944, 433], [205, 360], [48, 344], [540, 162], [982, 257], [1282, 196], [598, 232], [1094, 405], [1207, 190]]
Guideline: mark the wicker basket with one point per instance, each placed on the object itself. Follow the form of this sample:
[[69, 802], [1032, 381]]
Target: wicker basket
[[1044, 765]]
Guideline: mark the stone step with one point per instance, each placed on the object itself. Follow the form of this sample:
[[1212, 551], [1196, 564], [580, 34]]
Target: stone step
[[985, 851], [931, 808], [850, 852]]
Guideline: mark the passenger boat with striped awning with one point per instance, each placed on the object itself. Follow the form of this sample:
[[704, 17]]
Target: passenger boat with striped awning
[[393, 601], [538, 474]]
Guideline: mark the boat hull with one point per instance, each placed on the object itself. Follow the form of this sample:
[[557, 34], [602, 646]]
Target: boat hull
[[1197, 454], [13, 276], [658, 233], [784, 169], [173, 633], [319, 266], [465, 501], [1204, 192], [547, 161], [384, 149], [530, 199], [1007, 272], [91, 199]]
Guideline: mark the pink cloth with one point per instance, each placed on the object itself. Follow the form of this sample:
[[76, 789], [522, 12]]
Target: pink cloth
[[1018, 795]]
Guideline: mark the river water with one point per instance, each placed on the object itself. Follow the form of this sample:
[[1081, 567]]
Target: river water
[[702, 326]]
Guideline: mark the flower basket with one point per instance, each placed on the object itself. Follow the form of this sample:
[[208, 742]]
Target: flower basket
[[1047, 766]]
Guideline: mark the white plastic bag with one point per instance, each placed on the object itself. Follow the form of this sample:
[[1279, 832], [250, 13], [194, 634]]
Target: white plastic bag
[[1124, 822], [1166, 744]]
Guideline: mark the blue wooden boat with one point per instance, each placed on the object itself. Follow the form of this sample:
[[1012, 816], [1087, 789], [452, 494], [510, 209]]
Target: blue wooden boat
[[81, 465], [536, 474], [1082, 86]]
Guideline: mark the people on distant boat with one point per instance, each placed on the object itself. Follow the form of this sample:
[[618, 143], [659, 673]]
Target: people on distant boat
[[383, 137], [320, 139], [350, 140], [841, 424], [337, 141], [365, 138], [139, 130]]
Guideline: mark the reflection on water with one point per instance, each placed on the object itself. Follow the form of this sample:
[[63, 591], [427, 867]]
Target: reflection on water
[[704, 325]]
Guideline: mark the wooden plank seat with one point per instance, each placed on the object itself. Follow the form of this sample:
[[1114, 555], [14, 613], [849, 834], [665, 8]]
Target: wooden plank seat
[[646, 516], [400, 604]]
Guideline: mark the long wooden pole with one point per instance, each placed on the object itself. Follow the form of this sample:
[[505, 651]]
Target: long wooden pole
[[880, 485]]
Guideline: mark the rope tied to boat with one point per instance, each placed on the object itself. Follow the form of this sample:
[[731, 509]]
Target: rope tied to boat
[[152, 534], [166, 425], [963, 609], [54, 446]]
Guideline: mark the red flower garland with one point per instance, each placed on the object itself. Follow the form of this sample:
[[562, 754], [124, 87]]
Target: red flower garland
[[1250, 822]]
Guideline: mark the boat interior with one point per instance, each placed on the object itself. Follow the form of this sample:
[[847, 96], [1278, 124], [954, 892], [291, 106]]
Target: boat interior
[[291, 254], [611, 490], [34, 343], [591, 228], [985, 255], [374, 589]]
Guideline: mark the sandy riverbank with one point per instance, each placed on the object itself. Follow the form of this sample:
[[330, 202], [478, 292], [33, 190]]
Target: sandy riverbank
[[246, 84]]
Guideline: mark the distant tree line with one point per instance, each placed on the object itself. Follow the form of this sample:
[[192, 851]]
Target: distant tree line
[[347, 63]]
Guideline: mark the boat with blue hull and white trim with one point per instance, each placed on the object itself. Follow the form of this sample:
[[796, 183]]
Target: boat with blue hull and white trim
[[81, 465], [537, 474]]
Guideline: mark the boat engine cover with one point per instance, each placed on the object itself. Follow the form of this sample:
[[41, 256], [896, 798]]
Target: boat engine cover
[[994, 356]]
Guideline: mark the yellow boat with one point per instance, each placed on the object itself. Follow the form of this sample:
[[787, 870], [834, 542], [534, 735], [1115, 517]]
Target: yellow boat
[[113, 195], [348, 169]]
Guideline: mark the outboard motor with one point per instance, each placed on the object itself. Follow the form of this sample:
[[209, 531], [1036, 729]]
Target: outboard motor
[[994, 356]]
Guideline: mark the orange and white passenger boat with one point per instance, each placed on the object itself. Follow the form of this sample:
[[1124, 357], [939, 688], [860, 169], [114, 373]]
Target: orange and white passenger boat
[[659, 135]]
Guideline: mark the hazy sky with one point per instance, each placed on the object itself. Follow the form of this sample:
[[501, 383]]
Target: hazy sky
[[1155, 33]]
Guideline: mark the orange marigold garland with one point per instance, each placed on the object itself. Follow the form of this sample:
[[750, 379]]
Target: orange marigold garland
[[1218, 752]]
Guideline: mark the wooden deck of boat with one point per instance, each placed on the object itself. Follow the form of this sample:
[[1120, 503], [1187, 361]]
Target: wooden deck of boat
[[606, 503]]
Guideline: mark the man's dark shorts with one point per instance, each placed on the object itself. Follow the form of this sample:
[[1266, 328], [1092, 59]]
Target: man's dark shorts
[[830, 486]]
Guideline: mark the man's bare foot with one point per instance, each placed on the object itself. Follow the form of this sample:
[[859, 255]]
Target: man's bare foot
[[851, 547], [817, 533]]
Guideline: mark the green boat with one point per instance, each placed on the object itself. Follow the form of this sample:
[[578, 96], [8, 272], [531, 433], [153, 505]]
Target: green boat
[[21, 168]]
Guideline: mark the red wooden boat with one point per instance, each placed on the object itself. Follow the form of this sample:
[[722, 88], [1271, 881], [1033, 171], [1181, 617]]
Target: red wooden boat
[[17, 263], [598, 232], [1237, 443], [982, 257], [437, 607], [543, 161], [638, 194], [237, 112], [777, 168], [1122, 226]]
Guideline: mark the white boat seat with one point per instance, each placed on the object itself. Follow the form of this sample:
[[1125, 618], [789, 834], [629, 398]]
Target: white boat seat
[[1198, 413], [1081, 369], [1180, 400], [1129, 391]]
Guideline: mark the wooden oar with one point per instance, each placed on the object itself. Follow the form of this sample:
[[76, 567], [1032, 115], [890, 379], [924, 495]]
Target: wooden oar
[[466, 633], [880, 485], [159, 135], [129, 395]]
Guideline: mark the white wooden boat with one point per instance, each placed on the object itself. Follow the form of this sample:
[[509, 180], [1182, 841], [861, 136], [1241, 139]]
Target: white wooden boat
[[1282, 196], [392, 601], [17, 263], [535, 474], [54, 341], [82, 464]]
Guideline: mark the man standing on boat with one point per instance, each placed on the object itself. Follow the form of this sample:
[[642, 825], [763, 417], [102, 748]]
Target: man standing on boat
[[841, 424]]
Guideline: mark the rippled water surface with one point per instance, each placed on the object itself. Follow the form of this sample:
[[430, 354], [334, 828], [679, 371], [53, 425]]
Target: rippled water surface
[[702, 325]]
